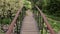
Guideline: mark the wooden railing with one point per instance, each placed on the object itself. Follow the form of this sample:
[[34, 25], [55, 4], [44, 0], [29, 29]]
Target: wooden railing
[[44, 20], [11, 27]]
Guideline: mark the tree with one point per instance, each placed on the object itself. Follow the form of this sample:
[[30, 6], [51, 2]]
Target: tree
[[52, 7]]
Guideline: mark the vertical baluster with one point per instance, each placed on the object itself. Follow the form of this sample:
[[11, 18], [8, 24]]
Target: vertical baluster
[[46, 30], [20, 21], [42, 25], [17, 27], [17, 24], [21, 17], [38, 20]]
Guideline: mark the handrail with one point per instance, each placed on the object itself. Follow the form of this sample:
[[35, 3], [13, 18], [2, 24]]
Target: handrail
[[14, 21], [46, 21]]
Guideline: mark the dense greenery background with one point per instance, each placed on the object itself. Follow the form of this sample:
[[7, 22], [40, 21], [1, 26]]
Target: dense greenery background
[[50, 7]]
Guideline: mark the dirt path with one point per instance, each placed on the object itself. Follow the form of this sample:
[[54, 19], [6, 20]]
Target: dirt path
[[29, 25]]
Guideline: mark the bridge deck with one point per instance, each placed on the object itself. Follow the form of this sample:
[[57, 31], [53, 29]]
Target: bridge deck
[[29, 25]]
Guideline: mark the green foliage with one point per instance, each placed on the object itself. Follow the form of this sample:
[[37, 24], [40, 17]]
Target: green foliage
[[55, 24], [27, 4], [33, 1], [6, 21], [52, 7], [7, 6]]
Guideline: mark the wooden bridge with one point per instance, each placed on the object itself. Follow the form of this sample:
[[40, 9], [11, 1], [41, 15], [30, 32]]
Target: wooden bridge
[[29, 23]]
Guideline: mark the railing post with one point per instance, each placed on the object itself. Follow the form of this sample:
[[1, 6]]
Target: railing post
[[38, 21]]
